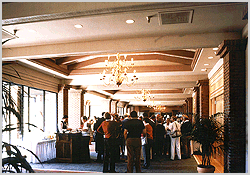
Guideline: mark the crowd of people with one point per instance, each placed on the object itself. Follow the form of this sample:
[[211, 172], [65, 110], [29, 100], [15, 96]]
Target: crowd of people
[[145, 137]]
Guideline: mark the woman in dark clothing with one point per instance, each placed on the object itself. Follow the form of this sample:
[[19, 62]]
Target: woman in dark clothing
[[99, 142], [64, 123], [159, 138]]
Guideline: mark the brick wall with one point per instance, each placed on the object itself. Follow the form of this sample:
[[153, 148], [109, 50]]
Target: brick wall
[[203, 98], [196, 102], [233, 54], [74, 111]]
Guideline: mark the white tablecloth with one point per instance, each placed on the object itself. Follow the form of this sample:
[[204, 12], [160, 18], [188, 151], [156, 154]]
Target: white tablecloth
[[45, 150]]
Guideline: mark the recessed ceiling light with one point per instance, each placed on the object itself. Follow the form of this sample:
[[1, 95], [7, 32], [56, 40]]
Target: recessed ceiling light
[[216, 48], [130, 21], [78, 26], [203, 70], [206, 64], [210, 57]]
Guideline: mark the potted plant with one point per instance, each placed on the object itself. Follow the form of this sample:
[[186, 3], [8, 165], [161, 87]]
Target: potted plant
[[209, 133]]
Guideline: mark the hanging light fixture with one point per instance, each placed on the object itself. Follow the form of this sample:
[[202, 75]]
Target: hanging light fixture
[[159, 108], [119, 71], [151, 104], [156, 107], [144, 95]]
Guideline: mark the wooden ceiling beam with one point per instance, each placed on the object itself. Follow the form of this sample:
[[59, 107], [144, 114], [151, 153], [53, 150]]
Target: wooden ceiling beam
[[87, 63], [66, 60], [183, 61], [169, 99], [51, 65], [160, 57], [180, 53], [152, 91], [165, 68]]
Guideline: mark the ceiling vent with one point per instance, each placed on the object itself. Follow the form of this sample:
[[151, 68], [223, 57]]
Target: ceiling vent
[[175, 17]]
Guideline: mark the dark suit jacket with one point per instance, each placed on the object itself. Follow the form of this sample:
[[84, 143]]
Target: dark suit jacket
[[186, 128]]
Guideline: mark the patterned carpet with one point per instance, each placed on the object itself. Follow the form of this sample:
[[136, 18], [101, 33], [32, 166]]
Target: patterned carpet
[[163, 165]]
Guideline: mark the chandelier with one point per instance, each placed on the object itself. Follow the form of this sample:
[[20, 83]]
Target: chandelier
[[144, 95], [119, 71], [157, 107]]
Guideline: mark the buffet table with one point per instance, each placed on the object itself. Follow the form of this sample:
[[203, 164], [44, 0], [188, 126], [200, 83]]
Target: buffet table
[[72, 147], [45, 150]]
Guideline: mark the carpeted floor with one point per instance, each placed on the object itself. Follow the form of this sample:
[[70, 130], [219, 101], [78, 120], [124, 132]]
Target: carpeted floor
[[157, 166]]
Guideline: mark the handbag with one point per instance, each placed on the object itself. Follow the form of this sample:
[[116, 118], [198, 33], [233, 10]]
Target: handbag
[[176, 133]]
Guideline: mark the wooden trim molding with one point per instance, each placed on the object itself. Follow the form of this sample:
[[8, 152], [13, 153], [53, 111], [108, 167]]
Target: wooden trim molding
[[196, 57]]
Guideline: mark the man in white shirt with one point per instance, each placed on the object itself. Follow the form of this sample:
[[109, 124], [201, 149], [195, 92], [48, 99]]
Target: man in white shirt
[[175, 141]]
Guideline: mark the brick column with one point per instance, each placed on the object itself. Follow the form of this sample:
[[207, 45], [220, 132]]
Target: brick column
[[196, 100], [203, 98], [189, 106], [233, 53], [184, 107]]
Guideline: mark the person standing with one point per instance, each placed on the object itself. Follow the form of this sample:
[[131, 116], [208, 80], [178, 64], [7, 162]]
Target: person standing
[[186, 129], [175, 141], [167, 140], [119, 135], [64, 123], [85, 128], [126, 118], [152, 124], [148, 144], [133, 129], [90, 130], [99, 142], [159, 137], [109, 129]]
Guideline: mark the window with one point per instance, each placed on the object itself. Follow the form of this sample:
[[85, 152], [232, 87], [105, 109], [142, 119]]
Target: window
[[38, 111], [50, 112]]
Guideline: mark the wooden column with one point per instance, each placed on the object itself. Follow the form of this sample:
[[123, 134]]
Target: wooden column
[[66, 100], [116, 106], [189, 106], [233, 53], [203, 98], [110, 105]]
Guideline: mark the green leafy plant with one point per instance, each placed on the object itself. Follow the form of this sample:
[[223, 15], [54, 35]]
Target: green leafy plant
[[10, 107], [209, 133]]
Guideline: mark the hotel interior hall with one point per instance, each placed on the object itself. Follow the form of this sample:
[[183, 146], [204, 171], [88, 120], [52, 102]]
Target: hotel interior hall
[[160, 58]]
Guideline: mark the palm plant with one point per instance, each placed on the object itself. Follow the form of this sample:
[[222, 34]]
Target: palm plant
[[209, 133], [10, 107]]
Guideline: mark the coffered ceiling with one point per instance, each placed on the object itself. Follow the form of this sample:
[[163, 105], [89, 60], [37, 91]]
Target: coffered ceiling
[[168, 58]]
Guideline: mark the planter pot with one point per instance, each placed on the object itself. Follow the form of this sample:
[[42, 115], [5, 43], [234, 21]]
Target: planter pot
[[207, 169]]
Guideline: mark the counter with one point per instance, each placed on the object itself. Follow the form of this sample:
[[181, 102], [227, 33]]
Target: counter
[[72, 148]]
